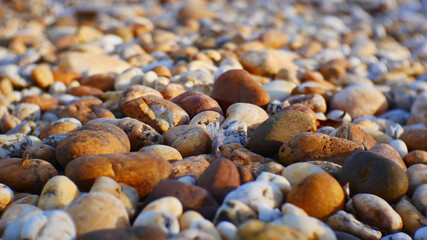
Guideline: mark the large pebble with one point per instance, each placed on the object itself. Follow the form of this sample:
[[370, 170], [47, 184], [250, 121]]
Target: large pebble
[[372, 173], [319, 194], [166, 152], [277, 129], [159, 113], [305, 147], [220, 178], [96, 138], [375, 211], [189, 140], [345, 222], [360, 100], [411, 217], [194, 102], [238, 86], [139, 170], [57, 193], [29, 175], [250, 114], [97, 211], [415, 139]]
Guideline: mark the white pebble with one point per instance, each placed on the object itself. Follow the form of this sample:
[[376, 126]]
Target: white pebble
[[421, 234], [399, 146], [227, 230]]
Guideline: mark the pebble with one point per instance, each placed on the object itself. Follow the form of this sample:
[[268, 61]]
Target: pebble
[[375, 212], [248, 90], [400, 147], [372, 173], [227, 230], [314, 198], [397, 236], [277, 129], [255, 193], [220, 178], [360, 100]]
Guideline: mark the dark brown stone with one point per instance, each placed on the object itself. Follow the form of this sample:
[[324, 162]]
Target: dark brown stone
[[191, 197], [220, 178]]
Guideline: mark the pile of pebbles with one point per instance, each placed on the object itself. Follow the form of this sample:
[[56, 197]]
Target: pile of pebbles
[[213, 119]]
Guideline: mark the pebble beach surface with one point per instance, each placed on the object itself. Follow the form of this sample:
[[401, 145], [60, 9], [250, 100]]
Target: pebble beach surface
[[213, 119]]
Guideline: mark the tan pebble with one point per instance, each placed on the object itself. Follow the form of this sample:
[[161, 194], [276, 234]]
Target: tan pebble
[[360, 100], [417, 176], [57, 193], [244, 157], [167, 204], [374, 211], [97, 211], [58, 128], [345, 222], [6, 196], [166, 152], [415, 157], [297, 172], [204, 118], [43, 75], [106, 185], [188, 218], [291, 209], [157, 112], [207, 227], [355, 134], [250, 114], [189, 140], [129, 197], [194, 165], [411, 217], [271, 167]]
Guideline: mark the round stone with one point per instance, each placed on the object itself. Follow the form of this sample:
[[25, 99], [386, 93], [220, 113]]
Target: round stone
[[369, 172], [277, 129], [319, 194], [360, 100]]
